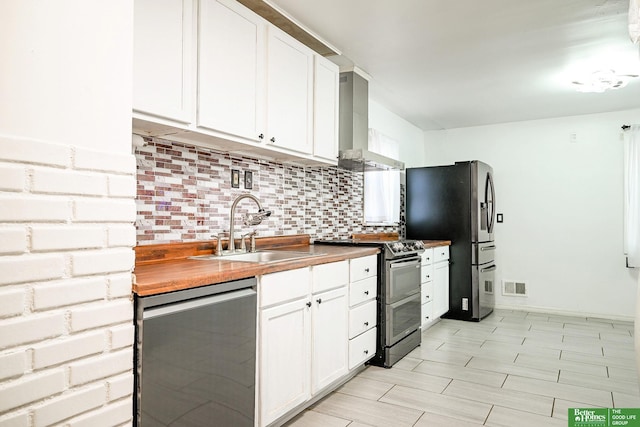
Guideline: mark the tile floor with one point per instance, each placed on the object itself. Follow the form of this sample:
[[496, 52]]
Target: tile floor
[[512, 369]]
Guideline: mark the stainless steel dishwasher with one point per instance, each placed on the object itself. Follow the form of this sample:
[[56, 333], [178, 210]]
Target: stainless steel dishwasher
[[196, 356]]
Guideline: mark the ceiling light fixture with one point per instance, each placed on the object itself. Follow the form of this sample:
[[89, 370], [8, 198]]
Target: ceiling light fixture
[[601, 80]]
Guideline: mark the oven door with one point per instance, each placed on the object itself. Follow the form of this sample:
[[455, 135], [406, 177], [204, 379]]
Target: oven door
[[402, 279], [403, 317]]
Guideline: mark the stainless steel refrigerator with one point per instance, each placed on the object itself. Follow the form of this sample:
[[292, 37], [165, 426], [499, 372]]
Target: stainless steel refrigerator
[[457, 202]]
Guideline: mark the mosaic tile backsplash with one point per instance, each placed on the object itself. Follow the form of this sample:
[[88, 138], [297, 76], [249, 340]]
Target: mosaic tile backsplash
[[185, 194]]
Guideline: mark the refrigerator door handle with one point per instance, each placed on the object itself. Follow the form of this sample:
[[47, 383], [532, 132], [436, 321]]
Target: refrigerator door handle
[[491, 208]]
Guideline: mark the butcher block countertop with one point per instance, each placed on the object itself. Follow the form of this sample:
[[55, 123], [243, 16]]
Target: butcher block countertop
[[167, 268], [434, 243]]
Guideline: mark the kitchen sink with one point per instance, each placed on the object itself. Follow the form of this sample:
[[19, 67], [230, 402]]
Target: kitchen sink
[[260, 257]]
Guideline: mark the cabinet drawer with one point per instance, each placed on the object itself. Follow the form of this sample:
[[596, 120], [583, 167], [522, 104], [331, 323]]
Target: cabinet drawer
[[427, 256], [426, 289], [284, 286], [362, 318], [441, 253], [363, 290], [361, 268], [329, 276], [427, 314], [426, 273], [362, 348]]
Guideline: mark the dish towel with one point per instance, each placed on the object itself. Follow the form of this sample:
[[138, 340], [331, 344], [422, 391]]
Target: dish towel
[[634, 20]]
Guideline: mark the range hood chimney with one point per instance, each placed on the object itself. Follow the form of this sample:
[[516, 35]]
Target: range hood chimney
[[354, 127]]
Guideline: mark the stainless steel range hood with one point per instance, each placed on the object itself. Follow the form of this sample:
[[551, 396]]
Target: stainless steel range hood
[[354, 127]]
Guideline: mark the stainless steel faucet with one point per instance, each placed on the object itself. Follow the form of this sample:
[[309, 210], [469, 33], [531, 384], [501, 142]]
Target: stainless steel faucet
[[250, 219]]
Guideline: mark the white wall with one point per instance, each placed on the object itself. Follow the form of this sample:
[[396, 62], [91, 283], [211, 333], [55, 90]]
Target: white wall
[[409, 137], [67, 206], [562, 206]]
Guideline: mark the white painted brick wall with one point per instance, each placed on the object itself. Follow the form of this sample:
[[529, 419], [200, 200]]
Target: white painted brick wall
[[55, 352], [62, 237], [115, 414], [121, 336], [13, 240], [60, 408], [63, 181], [27, 268], [100, 367], [99, 314], [47, 295], [119, 387], [17, 419], [119, 285], [12, 364], [31, 388], [12, 177], [20, 208], [12, 301], [103, 261], [66, 314]]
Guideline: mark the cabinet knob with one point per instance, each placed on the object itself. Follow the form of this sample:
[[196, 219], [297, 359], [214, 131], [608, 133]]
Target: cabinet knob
[[309, 304], [427, 297], [319, 300], [366, 292], [366, 270], [273, 139], [366, 323], [366, 352], [261, 136]]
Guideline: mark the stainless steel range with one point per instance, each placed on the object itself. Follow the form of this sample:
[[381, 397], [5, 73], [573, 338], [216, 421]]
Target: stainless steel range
[[398, 330]]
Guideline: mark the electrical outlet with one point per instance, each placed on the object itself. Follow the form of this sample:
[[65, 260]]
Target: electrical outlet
[[465, 304]]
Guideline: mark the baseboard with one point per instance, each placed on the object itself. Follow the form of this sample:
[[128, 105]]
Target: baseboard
[[548, 310]]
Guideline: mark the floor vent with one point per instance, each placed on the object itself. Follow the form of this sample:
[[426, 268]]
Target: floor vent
[[514, 288]]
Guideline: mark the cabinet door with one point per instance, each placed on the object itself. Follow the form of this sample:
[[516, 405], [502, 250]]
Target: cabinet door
[[441, 288], [231, 69], [325, 111], [162, 58], [289, 92], [329, 337], [285, 359]]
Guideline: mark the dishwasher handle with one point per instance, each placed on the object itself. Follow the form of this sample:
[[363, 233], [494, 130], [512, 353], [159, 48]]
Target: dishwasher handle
[[163, 310]]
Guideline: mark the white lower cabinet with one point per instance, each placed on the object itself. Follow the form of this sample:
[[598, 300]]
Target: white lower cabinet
[[434, 284], [329, 338], [363, 287], [303, 335], [285, 351]]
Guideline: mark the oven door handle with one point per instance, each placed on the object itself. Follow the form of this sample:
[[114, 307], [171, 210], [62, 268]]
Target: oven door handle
[[416, 296], [405, 263]]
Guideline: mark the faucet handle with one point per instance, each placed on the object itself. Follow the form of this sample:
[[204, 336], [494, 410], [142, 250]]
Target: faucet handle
[[218, 238]]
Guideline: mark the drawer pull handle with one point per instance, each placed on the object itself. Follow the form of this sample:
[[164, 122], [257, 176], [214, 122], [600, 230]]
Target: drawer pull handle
[[309, 304]]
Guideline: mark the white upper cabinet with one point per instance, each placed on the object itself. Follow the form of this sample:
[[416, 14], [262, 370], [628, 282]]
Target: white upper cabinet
[[231, 69], [289, 92], [325, 108], [163, 45]]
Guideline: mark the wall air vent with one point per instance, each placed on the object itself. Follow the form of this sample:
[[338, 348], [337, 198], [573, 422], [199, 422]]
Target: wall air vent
[[513, 288]]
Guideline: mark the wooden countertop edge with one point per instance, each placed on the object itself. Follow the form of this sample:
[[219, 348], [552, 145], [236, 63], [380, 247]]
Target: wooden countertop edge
[[434, 243], [175, 275]]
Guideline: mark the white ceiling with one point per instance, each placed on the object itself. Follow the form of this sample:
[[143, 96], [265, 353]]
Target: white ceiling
[[444, 64]]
